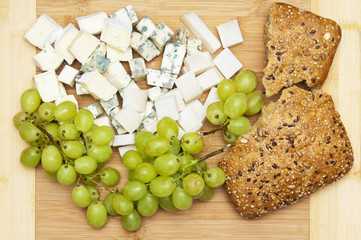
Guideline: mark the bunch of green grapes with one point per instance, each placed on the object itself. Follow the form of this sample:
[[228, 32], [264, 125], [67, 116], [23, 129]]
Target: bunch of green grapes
[[237, 99]]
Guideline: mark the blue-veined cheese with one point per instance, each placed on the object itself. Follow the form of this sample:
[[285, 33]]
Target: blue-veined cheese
[[173, 58], [95, 108], [97, 61], [145, 26], [138, 69], [110, 104], [143, 46], [182, 36], [161, 35]]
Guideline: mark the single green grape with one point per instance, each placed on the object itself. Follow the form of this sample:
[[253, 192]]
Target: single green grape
[[189, 143], [132, 221], [30, 157], [131, 159], [122, 205], [181, 199], [108, 203], [166, 164], [140, 141], [100, 153], [201, 166], [148, 205], [30, 100], [226, 88], [215, 113], [65, 111], [94, 194], [167, 204], [175, 147], [162, 186], [81, 196], [46, 111], [68, 131], [87, 136], [167, 128], [73, 149], [246, 81], [51, 158], [157, 146], [193, 184], [239, 126], [28, 132], [214, 177], [20, 118], [206, 194], [97, 214], [110, 176], [236, 105], [230, 138], [134, 190], [102, 135], [85, 165], [66, 174], [53, 129], [145, 172], [255, 103], [131, 175], [83, 120], [36, 118], [184, 159]]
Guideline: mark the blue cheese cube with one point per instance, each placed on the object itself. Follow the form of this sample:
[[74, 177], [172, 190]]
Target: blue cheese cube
[[194, 46], [110, 104], [48, 59], [118, 55], [189, 87], [182, 36], [68, 75], [129, 119], [95, 108], [154, 93], [64, 40], [161, 35], [83, 46], [121, 16], [117, 75], [80, 89], [209, 79], [150, 118], [166, 107], [92, 23], [143, 46], [138, 69], [97, 61], [124, 139], [119, 128], [97, 85], [227, 63], [117, 34], [160, 79], [173, 58], [48, 86], [135, 99], [145, 26], [70, 98], [132, 15]]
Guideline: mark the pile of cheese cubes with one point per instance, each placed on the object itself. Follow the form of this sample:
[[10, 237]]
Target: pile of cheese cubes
[[186, 71]]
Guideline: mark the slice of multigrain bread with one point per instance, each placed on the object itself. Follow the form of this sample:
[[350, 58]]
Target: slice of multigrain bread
[[301, 46], [298, 145]]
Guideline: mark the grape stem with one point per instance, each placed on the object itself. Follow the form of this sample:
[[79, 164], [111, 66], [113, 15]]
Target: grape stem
[[102, 186], [209, 155], [222, 127]]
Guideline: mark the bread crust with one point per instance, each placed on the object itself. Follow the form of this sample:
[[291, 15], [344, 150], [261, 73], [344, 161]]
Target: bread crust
[[301, 46], [299, 147]]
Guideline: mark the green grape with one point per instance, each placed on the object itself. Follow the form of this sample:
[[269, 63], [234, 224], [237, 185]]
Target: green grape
[[132, 221], [206, 194], [167, 204], [28, 132], [51, 159], [85, 165], [246, 81], [87, 179], [141, 139], [189, 143], [201, 166], [226, 88], [167, 128], [66, 175], [100, 153], [181, 199], [51, 175], [53, 129], [88, 135], [99, 166], [255, 103], [230, 138], [145, 172], [97, 214], [46, 111], [68, 131], [94, 194], [81, 196], [177, 175], [162, 186], [36, 118], [131, 159], [108, 203], [131, 175], [73, 149], [30, 157], [102, 135], [148, 205], [193, 184], [30, 100], [41, 142], [166, 164], [110, 176], [122, 205], [215, 113], [239, 126], [134, 190], [20, 118], [156, 146], [184, 159], [236, 105], [214, 177], [83, 120], [175, 147], [65, 111]]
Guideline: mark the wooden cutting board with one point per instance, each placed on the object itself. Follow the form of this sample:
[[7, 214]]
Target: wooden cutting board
[[56, 217]]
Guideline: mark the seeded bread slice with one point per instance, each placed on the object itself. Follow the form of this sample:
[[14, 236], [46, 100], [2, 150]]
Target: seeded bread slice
[[298, 145], [301, 46]]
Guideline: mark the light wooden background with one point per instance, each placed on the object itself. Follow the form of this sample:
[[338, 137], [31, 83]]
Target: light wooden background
[[42, 209]]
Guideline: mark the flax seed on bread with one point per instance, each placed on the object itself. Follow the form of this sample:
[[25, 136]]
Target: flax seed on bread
[[298, 146], [301, 46]]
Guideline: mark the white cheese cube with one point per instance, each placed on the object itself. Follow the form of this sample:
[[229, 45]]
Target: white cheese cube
[[123, 139], [209, 79], [161, 35], [176, 92], [201, 31], [154, 93], [145, 26], [212, 97], [122, 150], [181, 132], [68, 75], [138, 69], [184, 69], [97, 85], [43, 31], [227, 63], [48, 59], [95, 108], [116, 34], [182, 36], [110, 104], [83, 46], [194, 46], [117, 76], [150, 119], [199, 109], [143, 46], [230, 33], [97, 60], [151, 127], [120, 129], [103, 121], [132, 84], [118, 55], [189, 120], [199, 63], [121, 16], [173, 58], [135, 99], [47, 85], [189, 87], [167, 107], [70, 98], [92, 23], [80, 89], [129, 119], [132, 14], [62, 90], [63, 42]]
